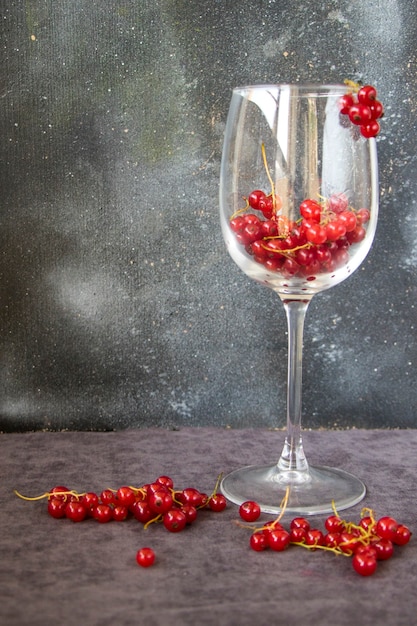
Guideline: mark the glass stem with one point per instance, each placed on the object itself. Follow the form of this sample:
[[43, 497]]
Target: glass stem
[[292, 457]]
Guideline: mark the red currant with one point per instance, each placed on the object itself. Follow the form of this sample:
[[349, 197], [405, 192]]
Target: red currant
[[107, 497], [334, 524], [338, 202], [346, 102], [90, 500], [367, 94], [174, 520], [386, 527], [370, 129], [360, 114], [103, 513], [120, 512], [362, 216], [348, 219], [60, 492], [165, 481], [56, 507], [311, 210], [364, 563], [335, 230], [217, 502], [145, 557], [75, 511], [266, 205], [249, 511], [258, 541], [332, 539], [237, 224], [190, 495], [125, 496], [190, 512], [402, 535], [298, 535], [278, 539], [384, 549], [348, 542], [300, 522], [160, 501], [255, 197], [315, 233], [141, 511], [377, 109]]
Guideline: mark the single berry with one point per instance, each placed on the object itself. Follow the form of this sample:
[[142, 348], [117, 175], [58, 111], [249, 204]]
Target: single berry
[[160, 501], [75, 511], [102, 513], [300, 522], [334, 524], [120, 512], [249, 511], [255, 197], [258, 541], [402, 535], [174, 520], [346, 102], [56, 507], [369, 129], [364, 563], [384, 549], [386, 527], [278, 539], [217, 502], [367, 94], [125, 496], [360, 114], [145, 557]]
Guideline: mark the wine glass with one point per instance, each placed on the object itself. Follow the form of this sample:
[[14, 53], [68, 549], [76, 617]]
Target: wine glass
[[298, 206]]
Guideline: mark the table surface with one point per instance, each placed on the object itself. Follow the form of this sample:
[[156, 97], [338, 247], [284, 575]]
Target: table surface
[[55, 571]]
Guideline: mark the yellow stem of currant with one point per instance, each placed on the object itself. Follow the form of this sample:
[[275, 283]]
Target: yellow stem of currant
[[271, 182], [158, 518], [47, 494]]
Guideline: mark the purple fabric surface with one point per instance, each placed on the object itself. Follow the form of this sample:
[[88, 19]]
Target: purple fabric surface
[[58, 572]]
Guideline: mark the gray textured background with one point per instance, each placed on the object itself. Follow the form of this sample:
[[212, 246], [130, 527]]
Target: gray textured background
[[119, 304]]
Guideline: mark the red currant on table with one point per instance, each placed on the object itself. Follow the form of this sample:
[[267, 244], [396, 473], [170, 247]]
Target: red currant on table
[[386, 528], [103, 513], [258, 541], [56, 507], [125, 496], [160, 501], [278, 539], [217, 502], [145, 557], [364, 563], [75, 511], [249, 511], [334, 524], [174, 520], [402, 535], [384, 549]]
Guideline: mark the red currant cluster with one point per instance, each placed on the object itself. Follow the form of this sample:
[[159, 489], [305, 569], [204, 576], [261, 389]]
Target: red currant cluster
[[153, 502], [367, 543], [363, 109], [318, 242]]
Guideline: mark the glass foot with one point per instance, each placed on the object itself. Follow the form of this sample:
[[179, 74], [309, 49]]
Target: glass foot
[[317, 490]]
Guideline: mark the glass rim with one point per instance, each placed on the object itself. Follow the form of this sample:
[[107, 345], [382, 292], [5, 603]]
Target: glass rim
[[296, 87]]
